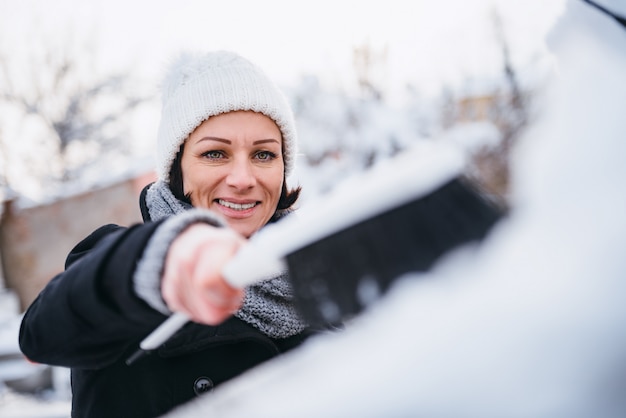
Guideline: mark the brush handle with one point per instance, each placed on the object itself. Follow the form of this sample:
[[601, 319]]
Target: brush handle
[[164, 331], [252, 263], [157, 337]]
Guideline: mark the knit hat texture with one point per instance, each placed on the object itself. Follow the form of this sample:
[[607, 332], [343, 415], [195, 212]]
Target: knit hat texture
[[197, 87]]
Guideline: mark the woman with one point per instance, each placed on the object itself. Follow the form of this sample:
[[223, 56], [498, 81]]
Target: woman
[[226, 143]]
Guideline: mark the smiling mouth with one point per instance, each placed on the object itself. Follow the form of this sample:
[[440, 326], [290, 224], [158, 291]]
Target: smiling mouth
[[236, 206]]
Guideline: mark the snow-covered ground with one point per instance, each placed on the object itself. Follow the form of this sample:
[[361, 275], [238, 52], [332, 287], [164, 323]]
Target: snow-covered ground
[[16, 405], [27, 390]]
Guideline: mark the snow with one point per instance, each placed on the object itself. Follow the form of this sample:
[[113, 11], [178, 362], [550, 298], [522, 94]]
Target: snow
[[15, 405], [530, 324]]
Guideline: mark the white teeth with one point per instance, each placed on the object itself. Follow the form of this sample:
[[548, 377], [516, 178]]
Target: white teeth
[[236, 206]]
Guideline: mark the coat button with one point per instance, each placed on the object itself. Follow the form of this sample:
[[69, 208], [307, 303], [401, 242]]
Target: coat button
[[202, 385]]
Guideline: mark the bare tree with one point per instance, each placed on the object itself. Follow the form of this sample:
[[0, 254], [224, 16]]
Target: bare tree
[[4, 176], [60, 91], [508, 108], [368, 62], [510, 113]]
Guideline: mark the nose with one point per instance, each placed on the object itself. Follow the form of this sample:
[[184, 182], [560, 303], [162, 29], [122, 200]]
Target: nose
[[241, 175]]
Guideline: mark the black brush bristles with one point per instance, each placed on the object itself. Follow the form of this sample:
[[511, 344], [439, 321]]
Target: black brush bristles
[[340, 275]]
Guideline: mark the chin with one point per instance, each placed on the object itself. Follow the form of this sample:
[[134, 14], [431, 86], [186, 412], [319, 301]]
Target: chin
[[244, 230]]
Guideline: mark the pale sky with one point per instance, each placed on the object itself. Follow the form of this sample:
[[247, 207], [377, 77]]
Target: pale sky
[[428, 42]]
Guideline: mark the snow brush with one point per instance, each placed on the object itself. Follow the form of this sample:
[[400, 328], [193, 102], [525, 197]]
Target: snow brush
[[344, 249]]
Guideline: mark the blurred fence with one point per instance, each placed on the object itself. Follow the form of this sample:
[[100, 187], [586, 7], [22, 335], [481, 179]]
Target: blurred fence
[[34, 242]]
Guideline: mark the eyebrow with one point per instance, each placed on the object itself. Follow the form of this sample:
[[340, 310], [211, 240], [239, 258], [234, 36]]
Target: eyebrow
[[227, 141]]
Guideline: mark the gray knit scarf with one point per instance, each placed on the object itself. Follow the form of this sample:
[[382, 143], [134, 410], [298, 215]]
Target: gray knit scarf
[[268, 306]]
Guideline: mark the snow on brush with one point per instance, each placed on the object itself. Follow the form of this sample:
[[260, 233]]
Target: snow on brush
[[418, 171], [530, 324]]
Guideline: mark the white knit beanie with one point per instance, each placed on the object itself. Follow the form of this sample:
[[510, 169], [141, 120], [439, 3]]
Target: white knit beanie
[[197, 87]]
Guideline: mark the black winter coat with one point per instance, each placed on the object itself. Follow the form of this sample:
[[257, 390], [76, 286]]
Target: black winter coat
[[89, 319]]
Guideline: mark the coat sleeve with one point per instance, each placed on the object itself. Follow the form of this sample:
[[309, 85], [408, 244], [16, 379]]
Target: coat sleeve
[[89, 315]]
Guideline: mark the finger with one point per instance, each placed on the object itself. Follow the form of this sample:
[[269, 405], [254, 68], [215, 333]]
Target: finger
[[178, 273], [225, 299]]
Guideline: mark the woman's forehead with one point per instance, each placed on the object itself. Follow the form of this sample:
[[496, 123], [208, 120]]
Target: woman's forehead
[[233, 126]]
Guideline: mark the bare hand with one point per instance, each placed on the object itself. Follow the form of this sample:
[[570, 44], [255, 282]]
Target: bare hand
[[192, 280]]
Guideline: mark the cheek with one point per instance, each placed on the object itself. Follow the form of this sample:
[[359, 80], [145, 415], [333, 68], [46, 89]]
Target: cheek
[[196, 181], [272, 186], [277, 186]]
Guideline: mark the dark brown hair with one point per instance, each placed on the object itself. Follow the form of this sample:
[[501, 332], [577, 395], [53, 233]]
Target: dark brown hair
[[288, 197]]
